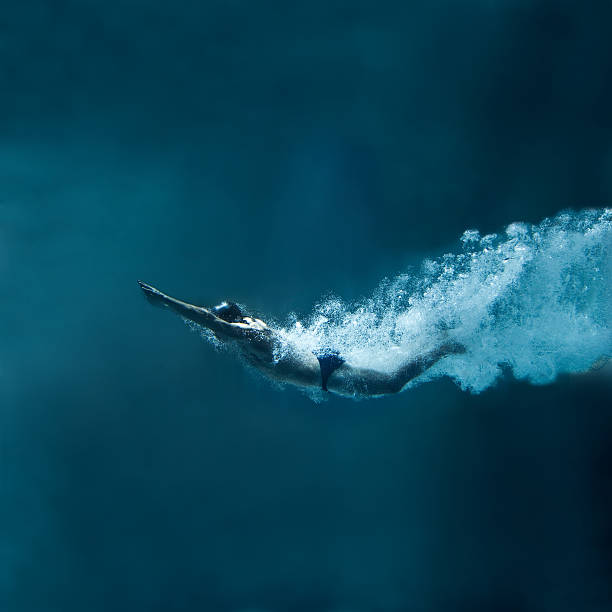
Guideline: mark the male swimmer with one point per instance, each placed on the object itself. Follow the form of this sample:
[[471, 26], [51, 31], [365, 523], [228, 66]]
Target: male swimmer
[[326, 369]]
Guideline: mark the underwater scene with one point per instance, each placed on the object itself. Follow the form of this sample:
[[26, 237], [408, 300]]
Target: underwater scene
[[386, 230]]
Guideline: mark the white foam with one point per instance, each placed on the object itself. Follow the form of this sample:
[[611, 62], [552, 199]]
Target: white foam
[[536, 299]]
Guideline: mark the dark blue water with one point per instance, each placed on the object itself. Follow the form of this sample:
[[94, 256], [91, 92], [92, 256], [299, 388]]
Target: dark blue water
[[272, 153]]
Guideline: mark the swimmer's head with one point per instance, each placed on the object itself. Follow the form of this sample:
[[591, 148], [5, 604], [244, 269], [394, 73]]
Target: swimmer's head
[[228, 311]]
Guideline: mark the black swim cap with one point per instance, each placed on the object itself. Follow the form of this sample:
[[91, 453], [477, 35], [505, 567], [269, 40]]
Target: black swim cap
[[228, 311]]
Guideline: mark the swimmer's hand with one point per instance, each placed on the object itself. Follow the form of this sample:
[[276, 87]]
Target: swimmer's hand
[[155, 296]]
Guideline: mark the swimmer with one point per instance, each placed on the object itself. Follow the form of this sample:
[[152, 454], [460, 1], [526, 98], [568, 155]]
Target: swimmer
[[325, 369]]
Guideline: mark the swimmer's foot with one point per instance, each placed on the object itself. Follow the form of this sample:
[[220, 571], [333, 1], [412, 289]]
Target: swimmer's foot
[[452, 348], [600, 363]]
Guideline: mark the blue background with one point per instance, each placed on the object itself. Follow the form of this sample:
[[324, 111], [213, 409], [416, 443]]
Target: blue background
[[270, 153]]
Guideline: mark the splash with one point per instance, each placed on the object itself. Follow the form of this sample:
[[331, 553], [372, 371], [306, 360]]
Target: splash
[[535, 300]]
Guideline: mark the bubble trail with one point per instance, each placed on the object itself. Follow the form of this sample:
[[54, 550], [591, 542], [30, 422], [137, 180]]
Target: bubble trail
[[535, 300]]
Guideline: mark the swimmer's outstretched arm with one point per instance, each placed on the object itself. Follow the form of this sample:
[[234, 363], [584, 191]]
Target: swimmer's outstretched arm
[[252, 336], [197, 314]]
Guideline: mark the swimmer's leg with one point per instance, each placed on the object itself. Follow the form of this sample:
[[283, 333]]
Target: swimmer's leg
[[417, 366], [369, 382]]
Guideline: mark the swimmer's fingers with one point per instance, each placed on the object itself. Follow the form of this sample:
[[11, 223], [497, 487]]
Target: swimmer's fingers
[[153, 295]]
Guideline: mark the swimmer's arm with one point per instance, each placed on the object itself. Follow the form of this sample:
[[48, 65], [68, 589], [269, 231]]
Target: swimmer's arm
[[197, 314]]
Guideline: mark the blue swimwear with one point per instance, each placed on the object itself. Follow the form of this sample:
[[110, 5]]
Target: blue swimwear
[[329, 362]]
